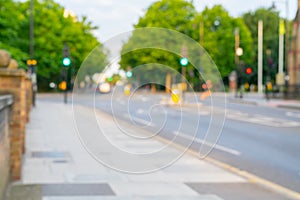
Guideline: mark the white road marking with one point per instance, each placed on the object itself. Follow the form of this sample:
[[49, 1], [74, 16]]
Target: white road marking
[[261, 120], [121, 102], [204, 112], [142, 121], [293, 114], [216, 146], [140, 111], [144, 99]]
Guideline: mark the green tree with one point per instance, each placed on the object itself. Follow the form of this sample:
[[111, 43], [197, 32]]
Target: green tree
[[171, 14], [270, 19], [219, 40], [94, 63], [11, 20], [52, 28], [181, 16]]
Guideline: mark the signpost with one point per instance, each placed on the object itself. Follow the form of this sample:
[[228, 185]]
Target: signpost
[[66, 61]]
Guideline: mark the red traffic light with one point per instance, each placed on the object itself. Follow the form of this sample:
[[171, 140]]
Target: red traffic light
[[249, 70]]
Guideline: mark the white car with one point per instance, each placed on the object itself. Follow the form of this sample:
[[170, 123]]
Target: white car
[[104, 87]]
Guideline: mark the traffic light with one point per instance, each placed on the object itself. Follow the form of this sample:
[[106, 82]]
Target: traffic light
[[110, 79], [63, 85], [184, 62], [129, 74], [66, 61], [31, 62], [248, 70]]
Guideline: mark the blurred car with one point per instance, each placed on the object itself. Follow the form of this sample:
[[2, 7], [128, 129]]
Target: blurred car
[[104, 87]]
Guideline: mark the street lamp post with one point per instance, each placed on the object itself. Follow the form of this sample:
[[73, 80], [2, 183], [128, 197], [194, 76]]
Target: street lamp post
[[184, 62], [66, 64], [238, 52], [283, 53], [286, 2], [32, 71], [260, 57]]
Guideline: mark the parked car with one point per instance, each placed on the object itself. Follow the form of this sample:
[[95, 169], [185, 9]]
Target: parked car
[[104, 87]]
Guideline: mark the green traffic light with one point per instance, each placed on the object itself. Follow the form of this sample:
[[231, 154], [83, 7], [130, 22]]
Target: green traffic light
[[66, 61], [110, 79], [129, 74], [184, 61]]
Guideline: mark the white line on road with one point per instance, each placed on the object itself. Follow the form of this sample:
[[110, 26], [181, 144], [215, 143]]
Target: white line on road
[[144, 99], [293, 114], [140, 111], [142, 121], [219, 147], [261, 120], [122, 102]]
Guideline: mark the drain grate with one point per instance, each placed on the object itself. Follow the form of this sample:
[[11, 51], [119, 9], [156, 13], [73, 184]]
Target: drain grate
[[49, 154], [60, 161]]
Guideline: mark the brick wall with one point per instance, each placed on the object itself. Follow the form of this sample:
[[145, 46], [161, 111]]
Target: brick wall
[[13, 81], [28, 98]]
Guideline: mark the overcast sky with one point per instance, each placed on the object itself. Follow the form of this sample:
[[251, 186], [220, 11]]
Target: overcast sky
[[116, 16]]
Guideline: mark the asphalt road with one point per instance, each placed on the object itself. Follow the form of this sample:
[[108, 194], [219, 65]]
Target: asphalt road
[[264, 141]]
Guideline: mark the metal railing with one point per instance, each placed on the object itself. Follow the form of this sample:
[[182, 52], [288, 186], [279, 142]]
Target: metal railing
[[6, 102]]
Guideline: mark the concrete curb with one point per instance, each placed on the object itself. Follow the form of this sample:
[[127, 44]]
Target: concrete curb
[[241, 101], [247, 175], [293, 107], [278, 105]]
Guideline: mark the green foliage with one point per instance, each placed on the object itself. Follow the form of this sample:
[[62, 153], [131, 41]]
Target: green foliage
[[113, 79], [51, 30], [11, 22], [95, 62], [270, 20], [219, 40], [172, 14], [181, 16]]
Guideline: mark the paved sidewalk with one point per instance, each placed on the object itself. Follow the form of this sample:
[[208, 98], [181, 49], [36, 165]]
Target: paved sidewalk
[[57, 167]]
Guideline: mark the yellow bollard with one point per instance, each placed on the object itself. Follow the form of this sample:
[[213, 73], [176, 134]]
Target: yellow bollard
[[127, 89], [175, 96]]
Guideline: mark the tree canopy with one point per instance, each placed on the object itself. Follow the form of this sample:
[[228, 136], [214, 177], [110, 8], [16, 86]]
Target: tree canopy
[[53, 27], [219, 37], [270, 18], [213, 28], [172, 14], [180, 15]]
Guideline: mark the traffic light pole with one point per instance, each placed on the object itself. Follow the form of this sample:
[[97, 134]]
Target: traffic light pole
[[66, 90], [183, 80], [260, 57], [237, 64], [66, 63], [31, 51], [184, 62]]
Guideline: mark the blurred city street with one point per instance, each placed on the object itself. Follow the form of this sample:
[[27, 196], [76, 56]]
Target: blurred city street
[[57, 166], [149, 100]]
